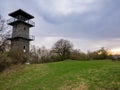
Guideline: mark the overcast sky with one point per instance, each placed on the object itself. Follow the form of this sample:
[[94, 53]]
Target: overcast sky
[[88, 24]]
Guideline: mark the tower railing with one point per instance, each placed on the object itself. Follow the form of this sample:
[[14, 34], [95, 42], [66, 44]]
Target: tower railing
[[16, 19], [29, 37]]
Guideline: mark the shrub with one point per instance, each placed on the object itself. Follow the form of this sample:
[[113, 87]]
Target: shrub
[[18, 57], [5, 61], [12, 58]]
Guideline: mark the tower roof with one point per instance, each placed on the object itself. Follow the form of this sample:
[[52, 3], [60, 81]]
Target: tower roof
[[21, 12]]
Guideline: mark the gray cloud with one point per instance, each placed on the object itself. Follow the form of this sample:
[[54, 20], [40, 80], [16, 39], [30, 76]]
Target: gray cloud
[[80, 21], [95, 23]]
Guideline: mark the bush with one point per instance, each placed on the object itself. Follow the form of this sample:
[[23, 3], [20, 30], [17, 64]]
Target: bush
[[18, 57], [12, 58], [5, 62]]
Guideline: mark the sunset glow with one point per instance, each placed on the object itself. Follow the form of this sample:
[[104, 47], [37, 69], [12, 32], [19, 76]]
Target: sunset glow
[[114, 51]]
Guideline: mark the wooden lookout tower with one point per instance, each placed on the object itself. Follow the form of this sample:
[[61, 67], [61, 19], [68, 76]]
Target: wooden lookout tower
[[21, 24]]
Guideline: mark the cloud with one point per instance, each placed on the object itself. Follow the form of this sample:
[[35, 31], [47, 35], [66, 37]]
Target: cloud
[[95, 22], [84, 22], [66, 7]]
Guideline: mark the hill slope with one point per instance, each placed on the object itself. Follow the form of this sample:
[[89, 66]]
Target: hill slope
[[66, 75]]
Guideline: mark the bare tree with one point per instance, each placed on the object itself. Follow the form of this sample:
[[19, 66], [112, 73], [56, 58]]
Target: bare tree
[[4, 35], [77, 54], [63, 48], [40, 55]]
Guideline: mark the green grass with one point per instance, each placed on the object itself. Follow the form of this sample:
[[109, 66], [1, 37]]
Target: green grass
[[65, 75]]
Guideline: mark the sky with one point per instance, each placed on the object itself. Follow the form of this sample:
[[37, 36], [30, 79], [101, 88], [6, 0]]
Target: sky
[[88, 24]]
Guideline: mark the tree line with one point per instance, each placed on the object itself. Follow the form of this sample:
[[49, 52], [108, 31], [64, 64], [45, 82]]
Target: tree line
[[62, 50]]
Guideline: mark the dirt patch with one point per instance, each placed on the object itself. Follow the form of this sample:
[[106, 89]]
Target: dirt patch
[[13, 69], [75, 86]]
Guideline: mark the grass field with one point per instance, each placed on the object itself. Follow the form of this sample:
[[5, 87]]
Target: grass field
[[65, 75]]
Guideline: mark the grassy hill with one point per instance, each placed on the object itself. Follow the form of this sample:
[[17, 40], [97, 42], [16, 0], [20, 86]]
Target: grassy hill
[[65, 75]]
